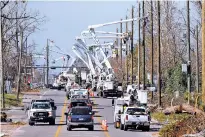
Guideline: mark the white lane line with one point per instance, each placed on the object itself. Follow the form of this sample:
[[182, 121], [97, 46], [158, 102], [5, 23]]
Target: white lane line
[[43, 94]]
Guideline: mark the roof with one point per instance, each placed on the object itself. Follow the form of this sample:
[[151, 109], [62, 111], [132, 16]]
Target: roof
[[81, 107]]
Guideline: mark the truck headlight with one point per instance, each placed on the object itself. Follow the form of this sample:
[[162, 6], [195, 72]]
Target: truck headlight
[[49, 113]]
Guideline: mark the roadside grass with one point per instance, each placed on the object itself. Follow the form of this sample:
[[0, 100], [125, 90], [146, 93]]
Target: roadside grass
[[10, 100], [169, 122]]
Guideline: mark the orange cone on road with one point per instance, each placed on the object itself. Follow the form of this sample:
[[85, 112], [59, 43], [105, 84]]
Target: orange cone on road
[[104, 125]]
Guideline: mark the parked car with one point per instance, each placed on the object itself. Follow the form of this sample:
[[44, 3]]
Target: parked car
[[80, 117]]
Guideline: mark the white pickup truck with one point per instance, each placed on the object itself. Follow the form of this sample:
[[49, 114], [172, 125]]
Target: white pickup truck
[[135, 117]]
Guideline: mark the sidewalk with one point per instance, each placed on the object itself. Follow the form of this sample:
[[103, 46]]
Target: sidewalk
[[18, 114]]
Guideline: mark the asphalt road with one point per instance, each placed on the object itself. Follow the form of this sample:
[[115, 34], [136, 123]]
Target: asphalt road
[[103, 109]]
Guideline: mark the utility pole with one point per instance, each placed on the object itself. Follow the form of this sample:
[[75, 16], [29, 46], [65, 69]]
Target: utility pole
[[143, 43], [152, 42], [1, 64], [19, 66], [47, 62], [159, 56], [139, 44], [127, 49], [132, 45], [203, 52], [25, 71], [117, 45], [121, 46], [197, 59], [188, 53]]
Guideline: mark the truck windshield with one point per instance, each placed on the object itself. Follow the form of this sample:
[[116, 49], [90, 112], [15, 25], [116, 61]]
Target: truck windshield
[[134, 110], [41, 106], [80, 111]]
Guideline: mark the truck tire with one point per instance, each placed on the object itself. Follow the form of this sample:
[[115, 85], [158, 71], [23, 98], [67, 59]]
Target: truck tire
[[59, 88], [69, 128], [91, 128], [52, 122], [125, 127], [31, 123], [121, 126], [146, 128]]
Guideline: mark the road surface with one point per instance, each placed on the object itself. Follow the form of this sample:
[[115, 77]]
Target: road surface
[[103, 109]]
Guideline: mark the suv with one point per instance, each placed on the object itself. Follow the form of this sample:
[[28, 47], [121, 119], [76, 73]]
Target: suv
[[42, 112], [80, 117]]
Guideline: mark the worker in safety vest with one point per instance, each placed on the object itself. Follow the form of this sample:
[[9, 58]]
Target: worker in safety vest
[[124, 107]]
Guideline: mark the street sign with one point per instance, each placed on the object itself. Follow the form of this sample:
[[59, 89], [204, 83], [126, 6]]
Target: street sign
[[184, 68]]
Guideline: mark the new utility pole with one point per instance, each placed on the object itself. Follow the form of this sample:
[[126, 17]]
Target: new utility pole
[[47, 62], [197, 59], [203, 52], [127, 53], [1, 63], [188, 53], [143, 43], [139, 44], [132, 45], [159, 56], [152, 42]]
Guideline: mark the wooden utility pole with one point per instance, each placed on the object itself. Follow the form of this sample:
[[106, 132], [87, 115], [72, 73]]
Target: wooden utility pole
[[132, 45], [139, 44], [19, 66], [25, 71], [47, 62], [117, 57], [203, 52], [1, 64], [197, 59], [152, 42], [127, 49], [121, 46], [188, 53], [143, 43], [159, 56]]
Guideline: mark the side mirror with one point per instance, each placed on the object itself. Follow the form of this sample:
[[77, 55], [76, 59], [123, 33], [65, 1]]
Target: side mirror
[[119, 112], [93, 113], [66, 113]]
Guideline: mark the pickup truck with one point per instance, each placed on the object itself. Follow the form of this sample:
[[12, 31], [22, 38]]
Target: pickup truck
[[135, 117], [42, 112]]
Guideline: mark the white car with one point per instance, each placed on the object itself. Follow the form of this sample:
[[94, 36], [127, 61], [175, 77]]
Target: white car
[[79, 92], [135, 117]]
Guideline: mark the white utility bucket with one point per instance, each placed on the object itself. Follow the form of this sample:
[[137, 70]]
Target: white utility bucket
[[142, 96]]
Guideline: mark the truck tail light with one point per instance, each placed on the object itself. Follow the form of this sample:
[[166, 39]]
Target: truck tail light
[[126, 117], [92, 118]]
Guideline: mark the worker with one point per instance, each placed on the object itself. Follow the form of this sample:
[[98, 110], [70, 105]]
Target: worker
[[124, 106]]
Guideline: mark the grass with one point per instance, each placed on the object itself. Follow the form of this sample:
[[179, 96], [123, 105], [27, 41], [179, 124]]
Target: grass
[[10, 100], [171, 120]]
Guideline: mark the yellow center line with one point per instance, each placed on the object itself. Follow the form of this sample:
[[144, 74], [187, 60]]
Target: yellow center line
[[61, 120], [99, 120]]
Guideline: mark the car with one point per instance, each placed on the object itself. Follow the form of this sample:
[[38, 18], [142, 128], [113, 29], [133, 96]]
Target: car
[[42, 112], [135, 117], [80, 117], [78, 92], [87, 101]]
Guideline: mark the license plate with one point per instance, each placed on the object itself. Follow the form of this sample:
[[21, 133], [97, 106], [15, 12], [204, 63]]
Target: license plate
[[41, 118], [81, 119], [40, 114]]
